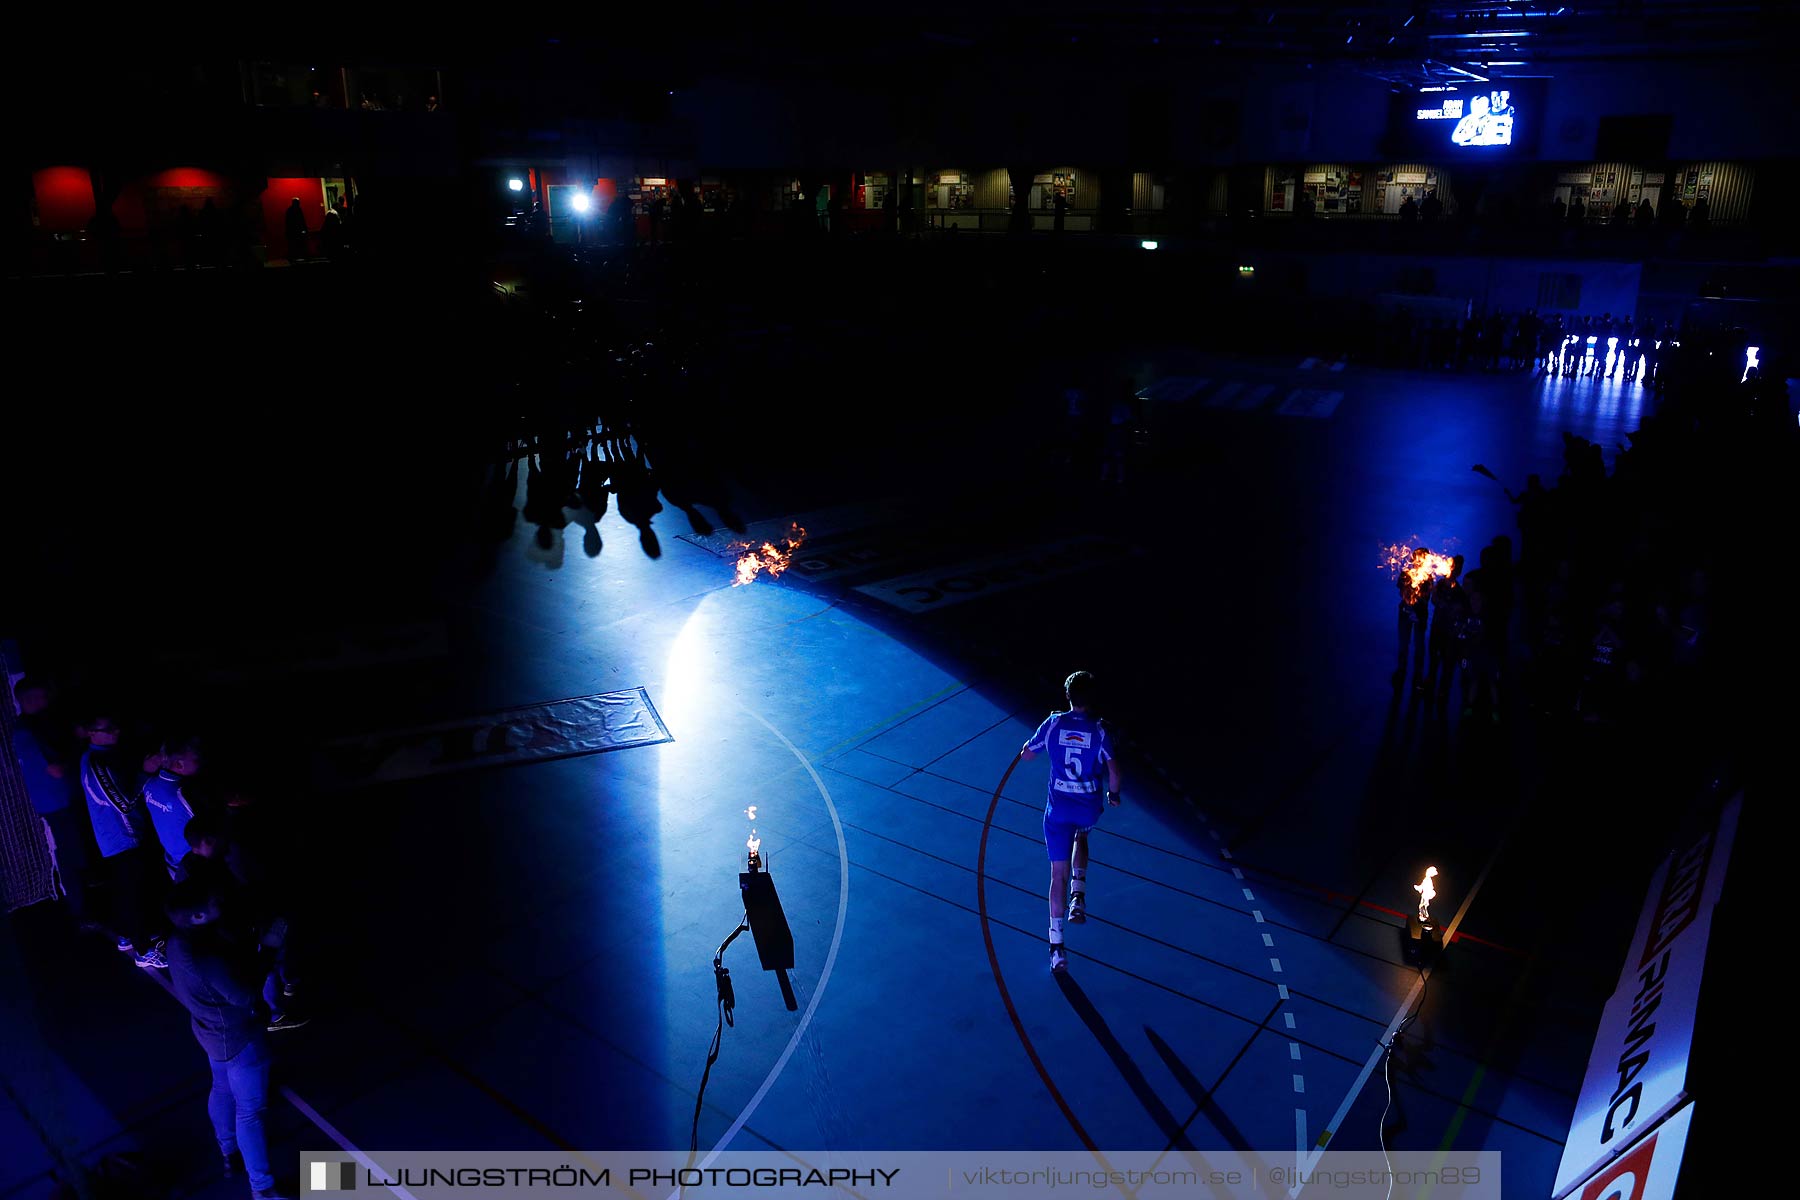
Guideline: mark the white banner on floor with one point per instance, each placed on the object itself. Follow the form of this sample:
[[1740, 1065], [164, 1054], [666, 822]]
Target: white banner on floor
[[1638, 1071], [557, 729]]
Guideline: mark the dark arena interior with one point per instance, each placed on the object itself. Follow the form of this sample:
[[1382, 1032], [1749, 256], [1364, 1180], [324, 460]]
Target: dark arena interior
[[935, 601]]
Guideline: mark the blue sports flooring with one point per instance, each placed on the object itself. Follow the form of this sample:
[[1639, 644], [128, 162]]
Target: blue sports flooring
[[521, 957]]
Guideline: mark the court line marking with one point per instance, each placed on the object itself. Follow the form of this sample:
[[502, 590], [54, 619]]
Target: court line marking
[[837, 939], [1012, 1011], [1332, 1126], [310, 1113], [345, 1144], [893, 719]]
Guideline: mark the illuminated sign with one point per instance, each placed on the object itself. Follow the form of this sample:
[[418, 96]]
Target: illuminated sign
[[1486, 120]]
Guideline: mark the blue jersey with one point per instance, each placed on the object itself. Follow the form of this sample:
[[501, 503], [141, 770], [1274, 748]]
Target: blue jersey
[[1079, 747], [169, 815], [114, 786]]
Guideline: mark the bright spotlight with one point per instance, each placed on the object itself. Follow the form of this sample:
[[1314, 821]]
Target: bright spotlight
[[1148, 244], [515, 185], [582, 202], [1750, 361]]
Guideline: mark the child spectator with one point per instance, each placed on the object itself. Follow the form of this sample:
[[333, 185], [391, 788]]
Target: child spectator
[[113, 783], [167, 801]]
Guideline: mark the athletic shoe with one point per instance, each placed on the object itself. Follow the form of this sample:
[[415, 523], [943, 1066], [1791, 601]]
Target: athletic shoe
[[152, 959], [1077, 908], [281, 1021], [1059, 960], [125, 946], [287, 989]]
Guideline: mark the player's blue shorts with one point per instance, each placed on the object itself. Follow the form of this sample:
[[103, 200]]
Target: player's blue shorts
[[1061, 826]]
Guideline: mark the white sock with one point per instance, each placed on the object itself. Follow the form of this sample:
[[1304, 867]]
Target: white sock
[[1056, 924]]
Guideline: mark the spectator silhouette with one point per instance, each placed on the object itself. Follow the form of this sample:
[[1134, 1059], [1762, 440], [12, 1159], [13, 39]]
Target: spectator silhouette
[[1577, 212], [296, 230], [1431, 208], [1559, 212], [331, 234], [1646, 215], [635, 487], [1409, 210], [1701, 214]]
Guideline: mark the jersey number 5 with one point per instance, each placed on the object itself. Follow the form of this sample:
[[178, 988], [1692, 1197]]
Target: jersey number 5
[[1072, 762]]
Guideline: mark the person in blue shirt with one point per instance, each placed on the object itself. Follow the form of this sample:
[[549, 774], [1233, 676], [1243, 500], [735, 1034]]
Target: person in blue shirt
[[1081, 751], [113, 784], [168, 805]]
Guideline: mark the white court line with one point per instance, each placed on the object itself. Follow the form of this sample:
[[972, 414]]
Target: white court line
[[837, 937], [1331, 1127], [310, 1113], [306, 1110]]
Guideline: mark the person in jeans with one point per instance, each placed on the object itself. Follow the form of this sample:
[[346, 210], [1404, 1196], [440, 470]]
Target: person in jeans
[[113, 783], [215, 976]]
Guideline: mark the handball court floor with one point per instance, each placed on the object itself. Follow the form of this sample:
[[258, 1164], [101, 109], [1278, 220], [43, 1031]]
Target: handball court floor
[[521, 957]]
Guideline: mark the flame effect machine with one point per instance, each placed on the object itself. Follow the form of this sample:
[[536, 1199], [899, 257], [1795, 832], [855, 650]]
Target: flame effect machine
[[1424, 939]]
